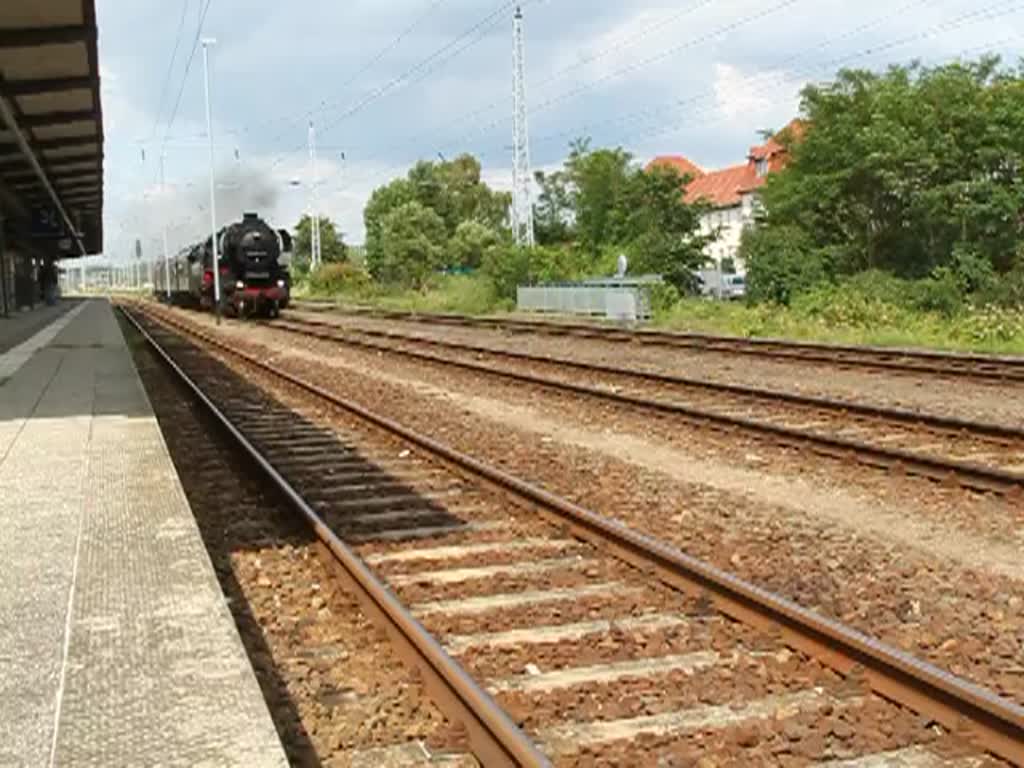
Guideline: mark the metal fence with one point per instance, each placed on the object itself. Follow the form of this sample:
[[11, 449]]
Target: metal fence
[[615, 302]]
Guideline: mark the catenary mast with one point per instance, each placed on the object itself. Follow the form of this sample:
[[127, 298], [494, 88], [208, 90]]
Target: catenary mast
[[522, 206]]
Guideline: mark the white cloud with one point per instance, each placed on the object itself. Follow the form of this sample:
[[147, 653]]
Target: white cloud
[[287, 58], [606, 51], [756, 100]]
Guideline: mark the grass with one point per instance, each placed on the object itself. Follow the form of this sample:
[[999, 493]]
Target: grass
[[989, 330], [458, 294], [843, 319]]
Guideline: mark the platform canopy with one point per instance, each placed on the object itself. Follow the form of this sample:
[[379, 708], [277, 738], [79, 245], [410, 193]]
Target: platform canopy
[[51, 124]]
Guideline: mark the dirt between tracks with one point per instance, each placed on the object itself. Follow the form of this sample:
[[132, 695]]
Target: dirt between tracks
[[758, 483], [987, 401], [894, 557]]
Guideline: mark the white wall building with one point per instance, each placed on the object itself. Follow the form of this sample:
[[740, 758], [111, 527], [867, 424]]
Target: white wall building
[[733, 194]]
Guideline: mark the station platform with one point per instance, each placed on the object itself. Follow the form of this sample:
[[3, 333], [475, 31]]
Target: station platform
[[21, 325], [116, 646]]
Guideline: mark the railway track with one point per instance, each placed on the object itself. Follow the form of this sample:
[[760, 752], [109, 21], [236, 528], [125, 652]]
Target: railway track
[[898, 360], [982, 456], [602, 644], [310, 644]]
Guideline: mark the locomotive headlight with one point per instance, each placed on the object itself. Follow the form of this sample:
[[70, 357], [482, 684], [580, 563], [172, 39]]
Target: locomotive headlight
[[239, 284], [280, 283]]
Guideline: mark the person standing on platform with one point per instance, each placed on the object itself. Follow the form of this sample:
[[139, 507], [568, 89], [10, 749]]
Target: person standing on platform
[[48, 281]]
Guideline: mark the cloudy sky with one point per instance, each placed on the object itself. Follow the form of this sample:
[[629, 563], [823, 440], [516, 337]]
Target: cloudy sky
[[387, 82]]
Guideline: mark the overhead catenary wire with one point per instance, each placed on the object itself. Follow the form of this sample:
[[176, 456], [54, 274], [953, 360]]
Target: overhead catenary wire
[[692, 42], [997, 10], [771, 70], [170, 67], [188, 68], [467, 39], [588, 86], [447, 52], [392, 45], [653, 59], [986, 13], [659, 25], [831, 65]]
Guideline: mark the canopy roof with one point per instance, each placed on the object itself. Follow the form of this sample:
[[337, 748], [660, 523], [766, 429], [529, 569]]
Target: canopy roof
[[51, 123]]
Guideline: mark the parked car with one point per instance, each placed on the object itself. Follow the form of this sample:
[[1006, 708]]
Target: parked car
[[714, 285], [735, 287]]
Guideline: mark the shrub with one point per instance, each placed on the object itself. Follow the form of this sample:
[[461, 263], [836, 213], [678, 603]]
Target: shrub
[[880, 285], [466, 294], [991, 324], [782, 262], [845, 307], [942, 293], [507, 267], [471, 241], [972, 269], [1007, 290], [339, 277], [554, 264], [664, 297], [410, 246]]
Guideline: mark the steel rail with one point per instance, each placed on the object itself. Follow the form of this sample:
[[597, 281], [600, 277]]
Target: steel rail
[[986, 367], [968, 474], [495, 739], [989, 720], [937, 421]]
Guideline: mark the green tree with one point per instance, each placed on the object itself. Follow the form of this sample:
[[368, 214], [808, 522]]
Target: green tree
[[509, 266], [453, 190], [412, 243], [909, 169], [782, 262], [472, 240], [659, 229], [599, 180], [332, 246], [602, 202], [383, 201], [554, 215]]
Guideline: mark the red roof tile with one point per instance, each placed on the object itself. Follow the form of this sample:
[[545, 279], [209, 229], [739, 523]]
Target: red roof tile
[[680, 163], [725, 187], [767, 150]]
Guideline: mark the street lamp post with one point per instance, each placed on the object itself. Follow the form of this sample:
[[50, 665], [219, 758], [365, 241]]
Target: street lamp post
[[314, 216], [163, 219], [207, 42]]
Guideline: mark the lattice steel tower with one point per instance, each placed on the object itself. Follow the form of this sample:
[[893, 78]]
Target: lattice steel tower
[[522, 206]]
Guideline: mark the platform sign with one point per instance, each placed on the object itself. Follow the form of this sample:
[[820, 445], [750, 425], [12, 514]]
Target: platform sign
[[46, 222]]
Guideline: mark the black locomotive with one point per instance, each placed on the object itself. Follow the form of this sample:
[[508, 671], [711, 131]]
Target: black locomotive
[[253, 266]]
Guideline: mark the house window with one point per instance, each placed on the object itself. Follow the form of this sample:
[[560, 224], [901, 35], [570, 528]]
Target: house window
[[761, 165]]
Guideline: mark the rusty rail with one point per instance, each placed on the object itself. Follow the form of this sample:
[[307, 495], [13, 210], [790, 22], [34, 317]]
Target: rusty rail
[[968, 474], [903, 415], [993, 722], [933, 362], [495, 739]]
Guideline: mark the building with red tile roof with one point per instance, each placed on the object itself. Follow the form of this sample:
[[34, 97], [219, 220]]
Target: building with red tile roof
[[684, 166], [732, 192]]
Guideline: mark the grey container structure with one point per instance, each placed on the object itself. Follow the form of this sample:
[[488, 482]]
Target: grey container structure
[[626, 298]]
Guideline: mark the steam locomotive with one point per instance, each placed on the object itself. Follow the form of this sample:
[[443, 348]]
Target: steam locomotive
[[253, 266]]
